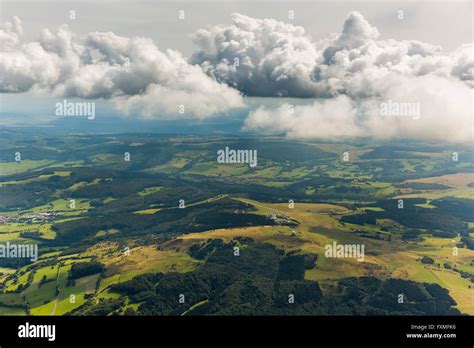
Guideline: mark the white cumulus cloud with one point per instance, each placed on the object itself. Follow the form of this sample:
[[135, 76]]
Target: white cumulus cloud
[[266, 57], [260, 57], [326, 119], [350, 74], [443, 111], [133, 72]]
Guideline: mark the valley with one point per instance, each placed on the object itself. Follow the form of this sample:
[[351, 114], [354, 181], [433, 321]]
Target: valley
[[172, 231]]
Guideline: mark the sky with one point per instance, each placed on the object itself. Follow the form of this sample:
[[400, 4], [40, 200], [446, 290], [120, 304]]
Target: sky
[[445, 23], [304, 69]]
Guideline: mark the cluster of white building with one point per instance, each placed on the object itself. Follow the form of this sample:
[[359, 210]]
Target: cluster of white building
[[30, 217]]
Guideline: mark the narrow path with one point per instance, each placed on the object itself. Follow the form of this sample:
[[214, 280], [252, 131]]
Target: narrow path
[[348, 211], [262, 206], [57, 297]]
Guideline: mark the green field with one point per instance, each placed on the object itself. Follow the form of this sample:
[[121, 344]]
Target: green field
[[126, 222]]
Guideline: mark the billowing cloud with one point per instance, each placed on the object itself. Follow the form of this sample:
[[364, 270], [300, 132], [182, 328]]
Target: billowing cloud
[[351, 74], [327, 119], [440, 109], [265, 57], [260, 57], [356, 63], [463, 64], [355, 33], [133, 72]]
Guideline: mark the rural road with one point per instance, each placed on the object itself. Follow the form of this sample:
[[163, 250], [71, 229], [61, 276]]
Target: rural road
[[53, 311]]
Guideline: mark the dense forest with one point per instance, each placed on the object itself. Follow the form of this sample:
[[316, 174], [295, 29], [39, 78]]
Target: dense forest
[[262, 280]]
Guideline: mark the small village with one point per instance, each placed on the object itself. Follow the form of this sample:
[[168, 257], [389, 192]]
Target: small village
[[27, 217]]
